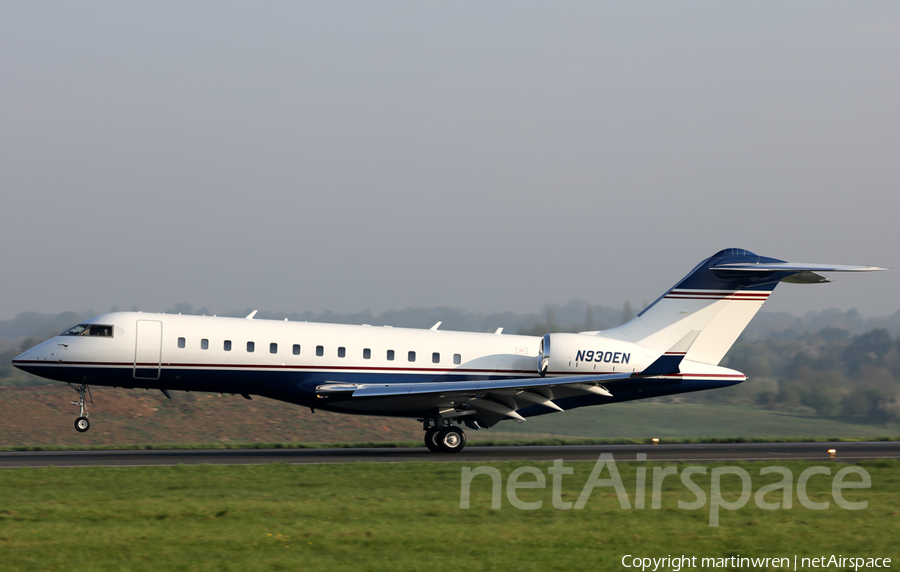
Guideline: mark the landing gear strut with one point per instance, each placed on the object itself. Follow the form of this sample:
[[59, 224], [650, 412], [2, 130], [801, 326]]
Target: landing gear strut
[[441, 437], [82, 424]]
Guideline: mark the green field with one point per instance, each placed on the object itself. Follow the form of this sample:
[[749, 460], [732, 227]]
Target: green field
[[406, 517], [640, 420], [41, 417]]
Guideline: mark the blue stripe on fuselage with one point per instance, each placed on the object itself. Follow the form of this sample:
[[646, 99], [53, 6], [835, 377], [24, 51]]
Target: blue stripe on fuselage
[[298, 387], [295, 386]]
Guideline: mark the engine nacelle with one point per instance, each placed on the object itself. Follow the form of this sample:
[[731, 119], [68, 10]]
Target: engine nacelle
[[586, 354]]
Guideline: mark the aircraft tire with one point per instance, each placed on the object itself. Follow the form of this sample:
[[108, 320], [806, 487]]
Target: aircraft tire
[[431, 440], [82, 424], [451, 439]]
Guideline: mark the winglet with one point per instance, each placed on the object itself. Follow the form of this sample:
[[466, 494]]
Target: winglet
[[670, 361], [251, 314]]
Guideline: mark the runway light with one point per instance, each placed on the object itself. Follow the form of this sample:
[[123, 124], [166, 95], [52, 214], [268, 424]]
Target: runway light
[[655, 441], [832, 452]]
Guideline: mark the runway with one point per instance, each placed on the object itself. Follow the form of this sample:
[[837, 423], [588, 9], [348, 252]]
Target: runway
[[845, 452]]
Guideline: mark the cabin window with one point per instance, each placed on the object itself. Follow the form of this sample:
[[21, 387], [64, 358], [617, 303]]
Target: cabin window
[[411, 356], [227, 345], [273, 348], [251, 347], [342, 352], [390, 355], [320, 351], [296, 349], [181, 343], [204, 344], [435, 358], [457, 359], [367, 353]]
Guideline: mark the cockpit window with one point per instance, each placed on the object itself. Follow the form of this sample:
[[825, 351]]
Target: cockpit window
[[94, 330]]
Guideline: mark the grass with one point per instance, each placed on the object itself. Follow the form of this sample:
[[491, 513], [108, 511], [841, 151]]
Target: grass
[[41, 419], [403, 517], [685, 420]]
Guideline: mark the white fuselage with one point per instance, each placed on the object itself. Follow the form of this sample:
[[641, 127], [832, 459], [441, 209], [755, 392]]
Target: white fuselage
[[289, 360]]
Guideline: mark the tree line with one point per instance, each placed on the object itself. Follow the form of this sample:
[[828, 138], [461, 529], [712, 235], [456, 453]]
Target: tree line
[[830, 372]]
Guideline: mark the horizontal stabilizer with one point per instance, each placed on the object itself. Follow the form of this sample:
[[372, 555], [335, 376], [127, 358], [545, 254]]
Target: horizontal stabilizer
[[791, 272], [791, 267]]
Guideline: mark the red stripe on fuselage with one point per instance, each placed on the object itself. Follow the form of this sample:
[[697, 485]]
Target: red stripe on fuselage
[[220, 367], [398, 370]]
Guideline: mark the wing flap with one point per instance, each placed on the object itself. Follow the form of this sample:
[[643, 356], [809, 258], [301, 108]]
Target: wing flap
[[474, 387], [494, 407]]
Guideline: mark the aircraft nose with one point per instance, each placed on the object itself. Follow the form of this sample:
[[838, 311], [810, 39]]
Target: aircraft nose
[[43, 360], [41, 352], [24, 358]]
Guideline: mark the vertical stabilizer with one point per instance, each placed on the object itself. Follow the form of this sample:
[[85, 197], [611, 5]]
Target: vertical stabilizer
[[718, 298]]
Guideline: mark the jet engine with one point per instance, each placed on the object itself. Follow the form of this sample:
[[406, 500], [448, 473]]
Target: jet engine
[[589, 354]]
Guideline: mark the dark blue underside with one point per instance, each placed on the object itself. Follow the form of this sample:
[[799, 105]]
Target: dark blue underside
[[298, 387]]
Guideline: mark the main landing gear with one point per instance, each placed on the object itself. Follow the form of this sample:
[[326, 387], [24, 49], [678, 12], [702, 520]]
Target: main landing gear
[[444, 439], [82, 424]]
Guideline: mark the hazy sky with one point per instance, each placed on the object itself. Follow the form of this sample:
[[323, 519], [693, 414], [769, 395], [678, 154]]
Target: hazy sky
[[482, 155]]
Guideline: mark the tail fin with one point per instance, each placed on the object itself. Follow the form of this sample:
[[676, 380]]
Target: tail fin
[[718, 298]]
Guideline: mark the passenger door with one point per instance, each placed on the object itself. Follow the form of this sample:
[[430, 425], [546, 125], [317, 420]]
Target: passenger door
[[147, 349]]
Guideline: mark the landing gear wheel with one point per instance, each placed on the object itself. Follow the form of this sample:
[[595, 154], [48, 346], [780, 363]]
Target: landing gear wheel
[[451, 439], [82, 424], [431, 440]]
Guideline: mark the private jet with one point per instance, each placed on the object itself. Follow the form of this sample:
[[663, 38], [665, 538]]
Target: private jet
[[447, 380]]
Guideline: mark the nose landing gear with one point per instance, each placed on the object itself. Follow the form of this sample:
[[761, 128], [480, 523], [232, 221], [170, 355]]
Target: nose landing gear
[[82, 424]]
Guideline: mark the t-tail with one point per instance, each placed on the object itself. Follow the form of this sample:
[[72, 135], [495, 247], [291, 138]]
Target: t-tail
[[718, 299]]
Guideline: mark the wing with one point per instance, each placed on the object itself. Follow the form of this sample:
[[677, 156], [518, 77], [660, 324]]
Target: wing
[[484, 401], [489, 401]]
